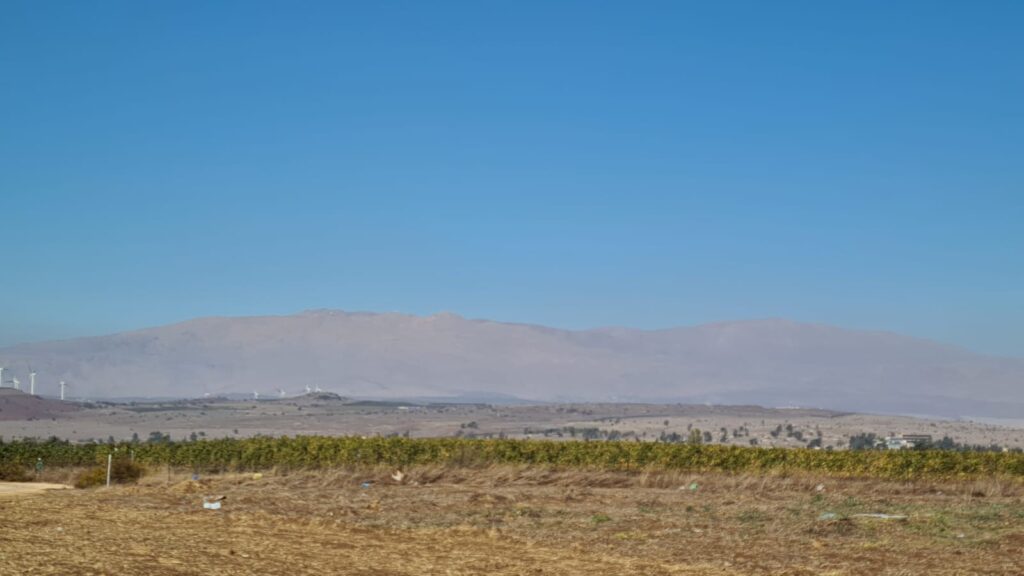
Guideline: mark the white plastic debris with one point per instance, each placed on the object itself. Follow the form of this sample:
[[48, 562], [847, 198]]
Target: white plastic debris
[[213, 502], [881, 516]]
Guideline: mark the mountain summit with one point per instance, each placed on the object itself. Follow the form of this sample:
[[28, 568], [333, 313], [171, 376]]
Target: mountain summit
[[770, 362]]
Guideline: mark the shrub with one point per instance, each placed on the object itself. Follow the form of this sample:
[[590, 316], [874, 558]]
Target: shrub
[[11, 472], [92, 477], [122, 471]]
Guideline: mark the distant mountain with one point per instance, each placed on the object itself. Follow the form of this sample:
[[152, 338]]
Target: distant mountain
[[767, 362]]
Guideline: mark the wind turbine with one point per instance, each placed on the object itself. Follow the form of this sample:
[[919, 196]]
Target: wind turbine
[[15, 383], [63, 385], [31, 381], [318, 390], [255, 395], [308, 389], [2, 375], [280, 392]]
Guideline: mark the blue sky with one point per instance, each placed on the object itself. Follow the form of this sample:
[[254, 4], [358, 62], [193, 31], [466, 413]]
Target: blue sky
[[575, 164]]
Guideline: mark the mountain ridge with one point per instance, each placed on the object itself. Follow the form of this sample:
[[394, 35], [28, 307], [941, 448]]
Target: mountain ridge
[[769, 361]]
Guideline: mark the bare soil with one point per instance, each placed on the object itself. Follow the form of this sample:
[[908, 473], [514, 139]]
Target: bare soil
[[516, 521], [736, 425], [10, 489]]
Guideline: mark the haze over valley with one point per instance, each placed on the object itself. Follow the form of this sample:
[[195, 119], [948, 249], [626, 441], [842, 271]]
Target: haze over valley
[[445, 356]]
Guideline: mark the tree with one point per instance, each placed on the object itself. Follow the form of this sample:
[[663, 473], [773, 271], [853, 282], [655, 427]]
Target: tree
[[696, 437], [862, 442]]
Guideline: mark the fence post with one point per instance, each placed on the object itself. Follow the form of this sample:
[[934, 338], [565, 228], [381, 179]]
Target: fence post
[[110, 458]]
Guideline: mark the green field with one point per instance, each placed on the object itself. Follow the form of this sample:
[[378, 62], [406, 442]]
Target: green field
[[319, 452]]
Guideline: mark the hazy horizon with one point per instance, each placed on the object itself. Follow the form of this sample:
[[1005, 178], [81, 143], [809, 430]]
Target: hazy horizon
[[515, 322], [566, 164]]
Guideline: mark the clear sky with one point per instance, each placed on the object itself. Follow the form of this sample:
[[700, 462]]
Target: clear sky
[[576, 164]]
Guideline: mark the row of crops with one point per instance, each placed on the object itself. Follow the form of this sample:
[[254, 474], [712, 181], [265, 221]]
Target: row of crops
[[323, 452]]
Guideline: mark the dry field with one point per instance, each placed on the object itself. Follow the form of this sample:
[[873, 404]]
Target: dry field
[[309, 415], [515, 521]]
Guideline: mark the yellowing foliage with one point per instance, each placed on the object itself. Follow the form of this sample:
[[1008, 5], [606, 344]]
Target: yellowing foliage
[[324, 452]]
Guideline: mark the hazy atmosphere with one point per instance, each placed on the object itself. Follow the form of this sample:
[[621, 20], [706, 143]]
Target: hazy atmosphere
[[566, 164]]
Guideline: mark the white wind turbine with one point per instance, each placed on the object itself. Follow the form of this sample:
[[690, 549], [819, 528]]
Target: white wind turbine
[[2, 375], [308, 389], [255, 395], [15, 383], [318, 390], [280, 392], [31, 381], [63, 385]]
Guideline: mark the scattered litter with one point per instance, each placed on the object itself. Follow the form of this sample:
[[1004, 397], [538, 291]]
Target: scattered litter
[[693, 487], [960, 535], [60, 528], [213, 502], [257, 476], [881, 516], [366, 484], [195, 477], [819, 488], [398, 476], [828, 516]]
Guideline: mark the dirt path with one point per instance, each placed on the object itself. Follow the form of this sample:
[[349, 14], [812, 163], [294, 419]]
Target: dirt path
[[26, 488]]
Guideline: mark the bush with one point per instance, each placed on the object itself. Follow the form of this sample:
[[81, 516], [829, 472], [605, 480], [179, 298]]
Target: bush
[[11, 472], [122, 471], [92, 477]]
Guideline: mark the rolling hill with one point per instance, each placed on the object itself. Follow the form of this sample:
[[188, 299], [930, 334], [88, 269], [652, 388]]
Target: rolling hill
[[768, 362]]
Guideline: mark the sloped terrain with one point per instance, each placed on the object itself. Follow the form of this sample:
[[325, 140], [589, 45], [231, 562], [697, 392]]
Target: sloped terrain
[[767, 362], [16, 405]]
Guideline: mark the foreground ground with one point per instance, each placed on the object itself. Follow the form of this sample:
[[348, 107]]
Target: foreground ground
[[516, 521], [27, 488]]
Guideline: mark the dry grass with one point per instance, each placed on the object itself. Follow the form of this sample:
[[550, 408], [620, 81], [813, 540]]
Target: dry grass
[[516, 520]]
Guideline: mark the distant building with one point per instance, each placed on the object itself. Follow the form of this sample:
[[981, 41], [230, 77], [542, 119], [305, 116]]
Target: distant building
[[907, 441]]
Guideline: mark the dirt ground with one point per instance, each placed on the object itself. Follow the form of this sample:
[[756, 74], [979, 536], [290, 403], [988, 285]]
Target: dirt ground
[[516, 521], [26, 488], [734, 425]]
